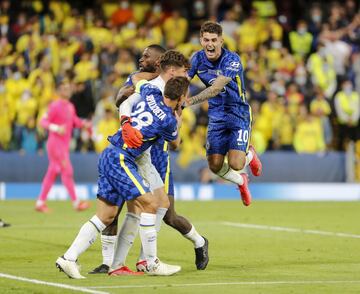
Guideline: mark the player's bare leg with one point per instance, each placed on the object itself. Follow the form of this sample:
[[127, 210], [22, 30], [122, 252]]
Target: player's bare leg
[[184, 227]]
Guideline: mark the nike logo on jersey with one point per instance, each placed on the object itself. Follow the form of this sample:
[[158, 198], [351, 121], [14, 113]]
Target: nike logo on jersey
[[201, 71]]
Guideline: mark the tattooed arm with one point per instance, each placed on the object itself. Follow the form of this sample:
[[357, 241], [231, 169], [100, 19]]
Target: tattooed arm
[[212, 91]]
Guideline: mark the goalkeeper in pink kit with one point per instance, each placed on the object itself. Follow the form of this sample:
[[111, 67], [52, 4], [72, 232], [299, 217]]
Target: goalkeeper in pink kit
[[60, 120]]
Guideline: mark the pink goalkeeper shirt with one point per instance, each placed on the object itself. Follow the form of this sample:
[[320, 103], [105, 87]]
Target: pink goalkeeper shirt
[[61, 112]]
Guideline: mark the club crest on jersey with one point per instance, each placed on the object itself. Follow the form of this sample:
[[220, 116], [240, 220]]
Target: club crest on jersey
[[207, 146], [145, 183]]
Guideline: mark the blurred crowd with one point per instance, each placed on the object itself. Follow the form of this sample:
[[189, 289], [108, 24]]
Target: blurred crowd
[[301, 60]]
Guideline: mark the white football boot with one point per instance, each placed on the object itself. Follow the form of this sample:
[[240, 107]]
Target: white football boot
[[159, 268], [70, 268]]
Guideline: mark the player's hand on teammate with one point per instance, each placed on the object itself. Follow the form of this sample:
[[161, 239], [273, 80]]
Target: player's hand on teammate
[[135, 78], [178, 118], [131, 136], [187, 101]]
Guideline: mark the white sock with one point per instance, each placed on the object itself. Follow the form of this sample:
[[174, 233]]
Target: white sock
[[249, 157], [227, 173], [39, 203], [76, 202], [125, 239], [108, 245], [86, 237], [195, 237], [148, 236], [160, 213]]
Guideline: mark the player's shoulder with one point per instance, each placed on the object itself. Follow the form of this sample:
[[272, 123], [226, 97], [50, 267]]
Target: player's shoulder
[[128, 81], [230, 55], [170, 124], [150, 89], [198, 56], [231, 61]]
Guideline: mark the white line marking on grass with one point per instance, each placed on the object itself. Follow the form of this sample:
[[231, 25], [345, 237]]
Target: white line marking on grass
[[264, 283], [291, 230], [33, 281]]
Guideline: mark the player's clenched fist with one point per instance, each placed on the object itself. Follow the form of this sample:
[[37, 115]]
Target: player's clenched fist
[[131, 136]]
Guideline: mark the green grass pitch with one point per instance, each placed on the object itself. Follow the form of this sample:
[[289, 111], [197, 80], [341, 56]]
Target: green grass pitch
[[242, 259]]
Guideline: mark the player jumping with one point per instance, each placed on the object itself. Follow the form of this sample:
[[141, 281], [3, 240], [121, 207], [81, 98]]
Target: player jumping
[[229, 113]]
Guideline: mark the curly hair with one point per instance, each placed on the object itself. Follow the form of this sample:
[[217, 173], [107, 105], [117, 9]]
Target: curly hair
[[211, 27], [173, 58]]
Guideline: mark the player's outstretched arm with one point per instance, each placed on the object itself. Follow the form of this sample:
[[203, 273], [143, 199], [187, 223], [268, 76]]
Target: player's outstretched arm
[[219, 83]]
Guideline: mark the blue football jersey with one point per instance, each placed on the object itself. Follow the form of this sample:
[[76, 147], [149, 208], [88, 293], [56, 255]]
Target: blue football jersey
[[230, 103], [128, 81], [152, 117]]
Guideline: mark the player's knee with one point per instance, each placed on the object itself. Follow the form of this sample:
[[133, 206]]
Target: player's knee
[[106, 219], [111, 229], [146, 203], [237, 163], [215, 165]]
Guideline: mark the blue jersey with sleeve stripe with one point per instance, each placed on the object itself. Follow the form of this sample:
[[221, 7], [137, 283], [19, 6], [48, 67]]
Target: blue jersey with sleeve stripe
[[230, 104], [128, 81], [152, 117]]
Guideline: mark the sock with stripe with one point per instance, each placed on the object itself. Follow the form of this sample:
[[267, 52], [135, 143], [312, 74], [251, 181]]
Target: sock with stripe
[[148, 236], [160, 214], [85, 238]]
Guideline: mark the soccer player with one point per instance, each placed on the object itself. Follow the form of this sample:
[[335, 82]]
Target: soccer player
[[172, 63], [60, 120], [120, 181], [229, 113], [148, 63]]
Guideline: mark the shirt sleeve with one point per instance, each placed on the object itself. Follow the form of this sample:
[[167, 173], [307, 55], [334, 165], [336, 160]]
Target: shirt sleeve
[[148, 89], [127, 106], [128, 81], [232, 67], [193, 66], [170, 130]]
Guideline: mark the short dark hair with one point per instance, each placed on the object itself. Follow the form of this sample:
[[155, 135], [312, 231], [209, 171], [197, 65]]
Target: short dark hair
[[176, 87], [173, 58], [157, 48], [211, 27]]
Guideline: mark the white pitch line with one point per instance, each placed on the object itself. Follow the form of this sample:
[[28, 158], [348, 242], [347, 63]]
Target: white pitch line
[[291, 230], [259, 283], [33, 281]]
